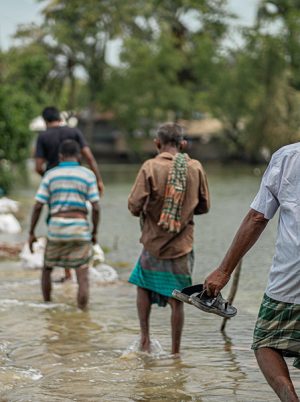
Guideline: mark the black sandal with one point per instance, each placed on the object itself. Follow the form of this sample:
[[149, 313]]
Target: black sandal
[[216, 305], [185, 294]]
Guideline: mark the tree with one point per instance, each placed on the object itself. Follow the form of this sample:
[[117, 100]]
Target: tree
[[163, 70]]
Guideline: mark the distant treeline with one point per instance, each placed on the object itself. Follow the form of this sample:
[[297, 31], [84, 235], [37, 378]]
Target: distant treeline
[[177, 59]]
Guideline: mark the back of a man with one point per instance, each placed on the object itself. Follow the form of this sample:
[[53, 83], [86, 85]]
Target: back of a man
[[49, 142], [155, 239], [168, 191]]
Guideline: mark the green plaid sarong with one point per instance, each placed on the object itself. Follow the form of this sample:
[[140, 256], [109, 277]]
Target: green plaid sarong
[[278, 327]]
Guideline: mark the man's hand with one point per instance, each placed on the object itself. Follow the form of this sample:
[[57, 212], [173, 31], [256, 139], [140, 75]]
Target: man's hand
[[32, 239], [215, 282], [100, 186]]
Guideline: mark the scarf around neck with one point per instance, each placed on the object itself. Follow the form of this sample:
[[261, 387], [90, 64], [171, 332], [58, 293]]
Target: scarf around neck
[[170, 218]]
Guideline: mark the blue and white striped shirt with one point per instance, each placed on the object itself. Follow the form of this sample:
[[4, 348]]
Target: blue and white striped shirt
[[67, 187]]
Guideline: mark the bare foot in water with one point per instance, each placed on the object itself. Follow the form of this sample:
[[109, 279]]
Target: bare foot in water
[[145, 345]]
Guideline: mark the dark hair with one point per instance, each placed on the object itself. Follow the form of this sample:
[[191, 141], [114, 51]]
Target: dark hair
[[170, 133], [51, 113], [69, 148]]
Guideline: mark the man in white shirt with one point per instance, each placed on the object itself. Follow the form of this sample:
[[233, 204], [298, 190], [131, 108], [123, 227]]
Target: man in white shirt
[[277, 331]]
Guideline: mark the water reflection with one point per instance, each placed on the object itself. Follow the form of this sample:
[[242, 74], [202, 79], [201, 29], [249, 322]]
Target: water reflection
[[235, 370], [167, 379], [54, 352]]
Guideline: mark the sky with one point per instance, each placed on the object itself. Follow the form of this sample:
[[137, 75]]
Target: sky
[[15, 12]]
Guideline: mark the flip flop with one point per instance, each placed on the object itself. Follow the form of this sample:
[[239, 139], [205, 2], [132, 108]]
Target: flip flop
[[216, 305], [185, 294]]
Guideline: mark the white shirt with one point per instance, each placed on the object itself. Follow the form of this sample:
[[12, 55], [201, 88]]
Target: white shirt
[[280, 188]]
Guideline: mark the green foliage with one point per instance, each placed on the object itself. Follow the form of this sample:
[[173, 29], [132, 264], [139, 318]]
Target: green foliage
[[173, 63]]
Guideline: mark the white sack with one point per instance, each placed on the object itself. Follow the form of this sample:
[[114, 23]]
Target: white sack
[[8, 206], [33, 260], [9, 224]]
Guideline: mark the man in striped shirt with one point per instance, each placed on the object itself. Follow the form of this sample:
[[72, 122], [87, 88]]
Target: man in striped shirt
[[66, 189]]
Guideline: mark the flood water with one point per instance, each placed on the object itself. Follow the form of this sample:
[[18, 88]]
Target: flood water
[[54, 352]]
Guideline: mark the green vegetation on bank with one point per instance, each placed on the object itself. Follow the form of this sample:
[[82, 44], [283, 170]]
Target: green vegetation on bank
[[177, 60]]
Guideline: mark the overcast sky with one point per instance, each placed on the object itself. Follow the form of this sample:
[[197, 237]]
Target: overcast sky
[[14, 12]]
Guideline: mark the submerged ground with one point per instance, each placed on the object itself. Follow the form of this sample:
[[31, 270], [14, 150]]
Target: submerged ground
[[57, 353]]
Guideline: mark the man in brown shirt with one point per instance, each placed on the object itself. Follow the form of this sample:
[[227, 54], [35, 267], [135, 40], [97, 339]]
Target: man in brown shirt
[[169, 190]]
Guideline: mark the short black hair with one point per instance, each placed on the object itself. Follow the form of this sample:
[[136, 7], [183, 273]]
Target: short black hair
[[170, 133], [69, 148], [51, 113]]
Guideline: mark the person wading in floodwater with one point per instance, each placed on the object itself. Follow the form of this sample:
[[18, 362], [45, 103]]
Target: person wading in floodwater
[[277, 330], [47, 148], [66, 189], [168, 191]]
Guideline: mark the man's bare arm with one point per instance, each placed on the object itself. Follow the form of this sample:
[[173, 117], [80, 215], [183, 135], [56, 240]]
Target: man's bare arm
[[87, 153], [248, 233], [36, 212], [40, 166], [95, 220]]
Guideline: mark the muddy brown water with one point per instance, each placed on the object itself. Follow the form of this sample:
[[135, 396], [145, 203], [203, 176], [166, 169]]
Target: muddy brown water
[[54, 352]]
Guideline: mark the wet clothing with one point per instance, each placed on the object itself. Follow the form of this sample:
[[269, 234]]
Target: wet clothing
[[278, 327], [162, 276], [67, 188], [68, 229], [67, 254], [147, 197], [280, 188], [48, 142]]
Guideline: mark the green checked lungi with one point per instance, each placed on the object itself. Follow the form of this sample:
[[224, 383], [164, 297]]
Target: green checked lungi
[[278, 327], [162, 276]]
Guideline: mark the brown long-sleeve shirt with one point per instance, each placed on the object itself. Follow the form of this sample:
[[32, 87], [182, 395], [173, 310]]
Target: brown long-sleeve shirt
[[147, 196]]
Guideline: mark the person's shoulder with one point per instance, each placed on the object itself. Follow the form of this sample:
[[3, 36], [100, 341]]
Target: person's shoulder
[[43, 134], [194, 164], [46, 135], [86, 172], [70, 130], [147, 163], [49, 174], [285, 153]]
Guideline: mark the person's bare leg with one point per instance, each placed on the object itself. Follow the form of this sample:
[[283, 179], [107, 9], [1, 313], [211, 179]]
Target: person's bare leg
[[143, 304], [83, 287], [276, 372], [46, 284], [68, 274], [177, 321]]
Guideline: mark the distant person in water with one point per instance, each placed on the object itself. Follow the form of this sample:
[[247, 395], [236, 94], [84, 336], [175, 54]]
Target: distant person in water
[[277, 330], [49, 141], [169, 190], [66, 189]]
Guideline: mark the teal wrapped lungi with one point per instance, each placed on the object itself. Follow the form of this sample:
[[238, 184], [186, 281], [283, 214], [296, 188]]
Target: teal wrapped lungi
[[162, 276]]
